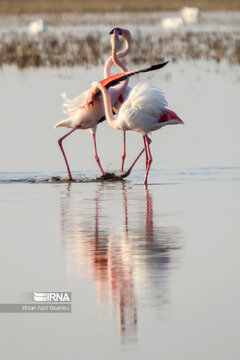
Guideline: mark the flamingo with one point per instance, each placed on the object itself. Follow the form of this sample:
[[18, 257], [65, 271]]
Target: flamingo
[[82, 115], [87, 116], [144, 111]]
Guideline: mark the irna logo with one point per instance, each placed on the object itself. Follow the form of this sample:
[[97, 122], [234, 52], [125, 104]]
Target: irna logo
[[52, 296]]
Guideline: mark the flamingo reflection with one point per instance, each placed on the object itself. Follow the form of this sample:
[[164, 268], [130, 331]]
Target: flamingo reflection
[[119, 253]]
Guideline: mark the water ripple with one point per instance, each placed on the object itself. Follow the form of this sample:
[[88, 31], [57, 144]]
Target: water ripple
[[157, 176]]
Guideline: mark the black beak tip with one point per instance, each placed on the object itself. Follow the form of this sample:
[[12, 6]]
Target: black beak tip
[[111, 32]]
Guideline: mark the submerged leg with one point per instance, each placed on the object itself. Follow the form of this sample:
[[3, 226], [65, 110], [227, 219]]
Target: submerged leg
[[127, 173], [95, 152], [65, 158], [148, 158], [124, 149]]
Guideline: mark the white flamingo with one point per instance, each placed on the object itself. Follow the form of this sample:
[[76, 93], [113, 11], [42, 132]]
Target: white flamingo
[[144, 111]]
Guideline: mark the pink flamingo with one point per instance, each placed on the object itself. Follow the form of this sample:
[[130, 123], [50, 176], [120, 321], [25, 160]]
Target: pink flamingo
[[144, 111], [83, 116]]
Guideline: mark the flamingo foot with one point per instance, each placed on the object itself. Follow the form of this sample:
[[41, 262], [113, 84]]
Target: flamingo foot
[[125, 174]]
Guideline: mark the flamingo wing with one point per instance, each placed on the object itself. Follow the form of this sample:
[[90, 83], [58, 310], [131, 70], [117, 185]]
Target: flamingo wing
[[116, 79], [71, 105]]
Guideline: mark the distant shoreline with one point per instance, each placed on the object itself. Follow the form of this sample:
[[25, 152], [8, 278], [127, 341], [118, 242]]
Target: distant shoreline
[[90, 50], [19, 7], [83, 40]]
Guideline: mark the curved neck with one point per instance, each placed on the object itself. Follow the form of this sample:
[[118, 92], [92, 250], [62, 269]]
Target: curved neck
[[115, 59], [107, 106]]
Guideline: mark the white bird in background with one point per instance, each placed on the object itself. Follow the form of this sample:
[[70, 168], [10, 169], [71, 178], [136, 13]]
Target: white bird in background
[[144, 111], [190, 14], [172, 23], [37, 27]]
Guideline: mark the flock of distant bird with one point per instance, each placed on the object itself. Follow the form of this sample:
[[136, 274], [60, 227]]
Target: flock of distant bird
[[188, 15], [142, 109]]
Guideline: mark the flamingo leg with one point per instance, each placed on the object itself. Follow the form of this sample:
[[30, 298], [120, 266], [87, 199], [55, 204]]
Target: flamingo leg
[[124, 149], [64, 155], [95, 153], [148, 158], [146, 151], [127, 173]]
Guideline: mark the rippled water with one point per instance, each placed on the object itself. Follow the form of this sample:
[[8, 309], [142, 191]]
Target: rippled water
[[153, 271]]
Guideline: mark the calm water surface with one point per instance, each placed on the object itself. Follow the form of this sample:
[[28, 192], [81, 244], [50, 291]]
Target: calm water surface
[[153, 272]]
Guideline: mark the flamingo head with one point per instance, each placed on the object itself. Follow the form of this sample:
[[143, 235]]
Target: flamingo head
[[116, 30], [124, 33]]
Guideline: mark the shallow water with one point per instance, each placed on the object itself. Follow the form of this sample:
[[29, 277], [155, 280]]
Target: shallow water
[[153, 272]]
